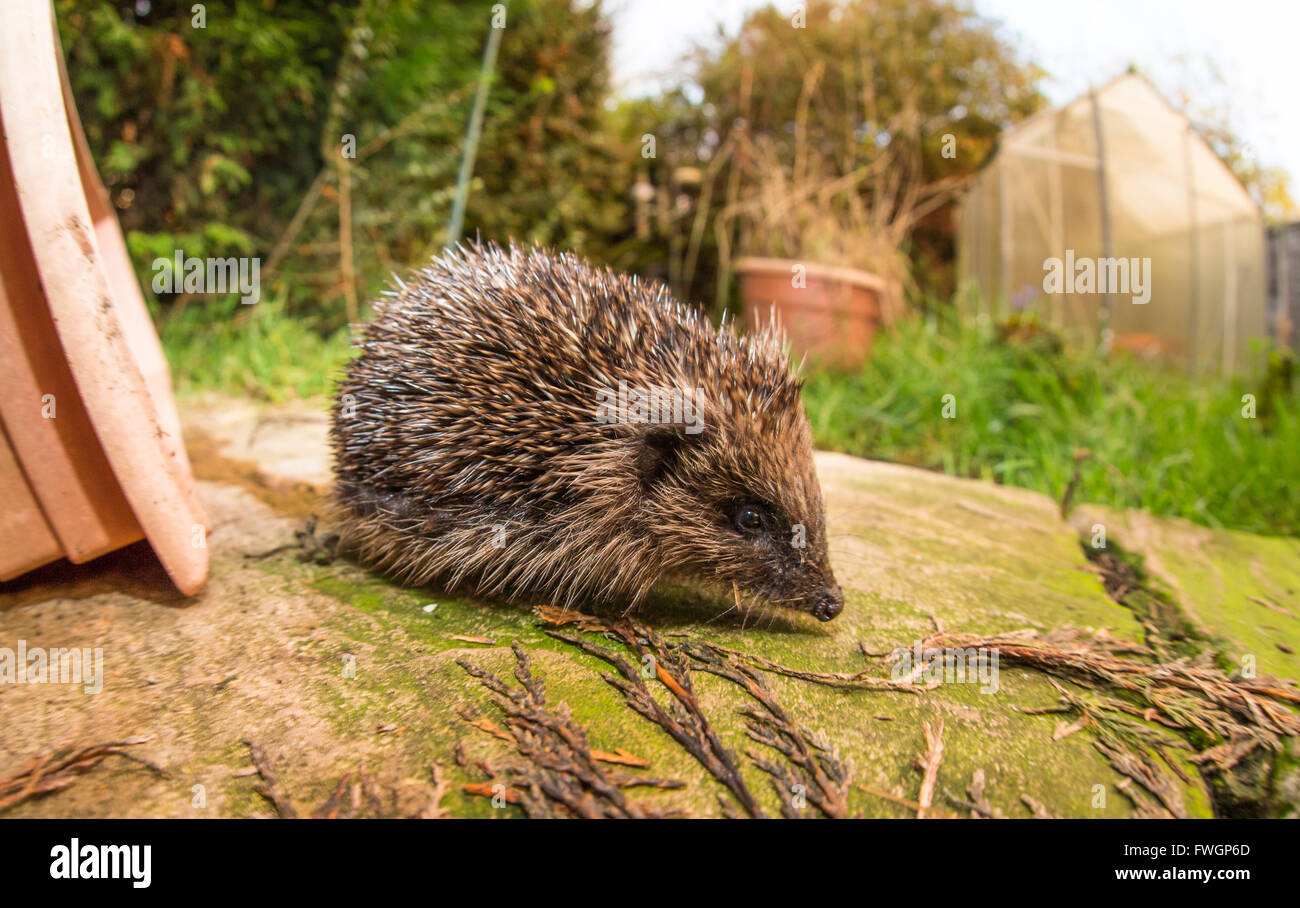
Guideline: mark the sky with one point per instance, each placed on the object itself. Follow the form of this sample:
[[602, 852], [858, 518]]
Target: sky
[[1253, 44]]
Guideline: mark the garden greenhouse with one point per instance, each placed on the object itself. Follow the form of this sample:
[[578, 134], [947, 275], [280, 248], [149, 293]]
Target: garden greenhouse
[[1163, 245]]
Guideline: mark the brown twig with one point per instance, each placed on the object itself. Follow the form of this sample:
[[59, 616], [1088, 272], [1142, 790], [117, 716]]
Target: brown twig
[[270, 788], [56, 769], [1190, 696], [1224, 703], [559, 775], [978, 805], [1080, 455], [812, 771], [831, 679], [812, 767], [685, 722], [930, 767], [1039, 809]]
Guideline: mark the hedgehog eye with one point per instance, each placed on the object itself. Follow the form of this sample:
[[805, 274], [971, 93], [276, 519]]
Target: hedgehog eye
[[749, 518]]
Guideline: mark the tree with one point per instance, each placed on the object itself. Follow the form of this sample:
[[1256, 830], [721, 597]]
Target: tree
[[908, 94]]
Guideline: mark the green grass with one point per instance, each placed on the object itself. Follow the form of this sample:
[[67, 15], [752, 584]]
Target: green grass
[[250, 351], [1159, 440]]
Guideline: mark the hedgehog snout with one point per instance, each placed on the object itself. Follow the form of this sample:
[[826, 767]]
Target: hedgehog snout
[[829, 604]]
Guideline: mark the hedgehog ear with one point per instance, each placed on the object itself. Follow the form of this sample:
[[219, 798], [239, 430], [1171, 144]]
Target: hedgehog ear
[[661, 448]]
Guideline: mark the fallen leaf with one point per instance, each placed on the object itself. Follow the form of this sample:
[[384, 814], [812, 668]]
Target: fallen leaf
[[491, 728], [489, 790], [1064, 731], [619, 756]]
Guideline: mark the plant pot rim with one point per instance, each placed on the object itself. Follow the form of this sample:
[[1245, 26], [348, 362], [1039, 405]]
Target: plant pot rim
[[816, 270], [83, 276]]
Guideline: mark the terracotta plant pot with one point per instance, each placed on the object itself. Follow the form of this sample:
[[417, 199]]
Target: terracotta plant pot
[[832, 317], [91, 456]]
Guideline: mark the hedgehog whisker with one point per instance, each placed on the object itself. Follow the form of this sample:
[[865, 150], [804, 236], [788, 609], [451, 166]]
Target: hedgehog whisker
[[735, 592], [724, 613], [770, 614]]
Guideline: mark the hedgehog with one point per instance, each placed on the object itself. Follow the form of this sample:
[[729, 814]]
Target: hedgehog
[[528, 426]]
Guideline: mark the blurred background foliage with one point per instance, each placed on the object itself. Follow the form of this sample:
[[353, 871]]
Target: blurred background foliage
[[225, 137], [228, 139]]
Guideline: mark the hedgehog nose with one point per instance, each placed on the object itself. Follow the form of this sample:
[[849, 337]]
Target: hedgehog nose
[[829, 604]]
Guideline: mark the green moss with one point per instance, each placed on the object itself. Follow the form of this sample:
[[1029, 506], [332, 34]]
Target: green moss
[[1236, 591], [243, 799], [997, 564]]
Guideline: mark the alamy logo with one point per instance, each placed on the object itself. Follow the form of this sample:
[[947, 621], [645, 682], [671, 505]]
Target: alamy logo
[[946, 665], [180, 274], [75, 861], [662, 406], [1105, 275], [37, 665]]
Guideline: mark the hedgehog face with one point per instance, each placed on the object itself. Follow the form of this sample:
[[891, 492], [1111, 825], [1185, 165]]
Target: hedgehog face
[[774, 558], [743, 507]]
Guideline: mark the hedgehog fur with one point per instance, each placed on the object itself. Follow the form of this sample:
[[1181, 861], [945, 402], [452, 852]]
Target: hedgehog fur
[[471, 449]]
